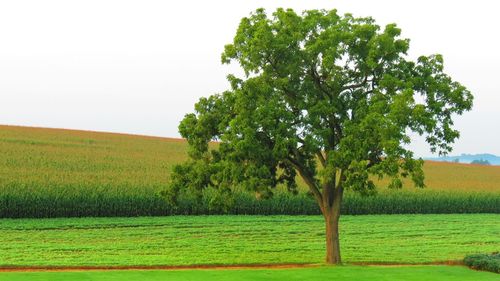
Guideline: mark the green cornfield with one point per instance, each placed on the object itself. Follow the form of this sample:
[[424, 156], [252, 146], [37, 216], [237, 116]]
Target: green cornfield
[[115, 204], [66, 173]]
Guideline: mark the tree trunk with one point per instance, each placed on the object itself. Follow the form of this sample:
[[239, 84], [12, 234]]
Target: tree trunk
[[332, 215], [329, 202], [332, 239]]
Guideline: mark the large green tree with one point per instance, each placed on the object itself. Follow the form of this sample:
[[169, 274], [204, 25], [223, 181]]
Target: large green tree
[[327, 97]]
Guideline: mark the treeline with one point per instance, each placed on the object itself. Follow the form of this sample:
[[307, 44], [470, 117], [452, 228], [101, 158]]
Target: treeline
[[113, 204]]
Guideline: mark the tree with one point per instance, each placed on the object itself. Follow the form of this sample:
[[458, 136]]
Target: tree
[[326, 97], [480, 162]]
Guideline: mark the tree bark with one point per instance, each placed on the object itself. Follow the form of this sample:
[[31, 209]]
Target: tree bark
[[332, 216]]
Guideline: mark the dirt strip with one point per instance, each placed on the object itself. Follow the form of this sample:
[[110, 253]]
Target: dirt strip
[[153, 267], [208, 266]]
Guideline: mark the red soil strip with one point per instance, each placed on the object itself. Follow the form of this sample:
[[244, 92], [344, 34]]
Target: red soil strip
[[197, 267], [152, 267]]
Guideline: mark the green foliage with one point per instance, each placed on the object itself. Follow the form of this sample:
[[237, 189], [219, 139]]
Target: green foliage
[[74, 202], [484, 262], [331, 98]]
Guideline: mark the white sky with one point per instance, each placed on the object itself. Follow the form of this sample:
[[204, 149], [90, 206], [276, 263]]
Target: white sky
[[139, 66]]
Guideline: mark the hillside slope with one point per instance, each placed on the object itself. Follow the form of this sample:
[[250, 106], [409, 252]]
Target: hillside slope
[[40, 157], [45, 157]]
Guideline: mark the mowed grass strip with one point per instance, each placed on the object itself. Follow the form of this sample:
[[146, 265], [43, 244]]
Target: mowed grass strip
[[343, 273], [204, 240]]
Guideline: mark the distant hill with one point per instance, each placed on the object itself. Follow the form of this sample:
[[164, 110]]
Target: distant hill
[[468, 158]]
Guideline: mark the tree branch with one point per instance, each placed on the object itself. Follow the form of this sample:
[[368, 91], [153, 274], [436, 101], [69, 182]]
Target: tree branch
[[317, 81], [355, 86], [309, 180], [340, 182], [328, 191], [321, 158]]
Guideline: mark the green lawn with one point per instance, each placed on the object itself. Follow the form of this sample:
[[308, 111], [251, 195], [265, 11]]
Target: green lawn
[[243, 239], [345, 273]]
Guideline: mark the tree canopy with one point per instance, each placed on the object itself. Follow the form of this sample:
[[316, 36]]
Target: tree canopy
[[327, 97]]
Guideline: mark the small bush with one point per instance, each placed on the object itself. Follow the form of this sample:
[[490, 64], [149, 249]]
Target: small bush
[[484, 262]]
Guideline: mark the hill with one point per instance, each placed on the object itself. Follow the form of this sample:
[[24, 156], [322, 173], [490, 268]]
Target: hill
[[45, 157]]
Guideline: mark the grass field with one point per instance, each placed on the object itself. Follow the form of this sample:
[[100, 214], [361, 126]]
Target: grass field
[[344, 273], [66, 173], [191, 240]]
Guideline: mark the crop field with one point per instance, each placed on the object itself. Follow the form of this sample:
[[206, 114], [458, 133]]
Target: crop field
[[54, 173], [40, 158], [44, 158]]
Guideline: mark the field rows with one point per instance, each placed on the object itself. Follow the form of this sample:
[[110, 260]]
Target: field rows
[[92, 203], [39, 158], [243, 239]]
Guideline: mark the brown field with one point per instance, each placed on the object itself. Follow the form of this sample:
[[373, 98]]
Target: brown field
[[36, 157]]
